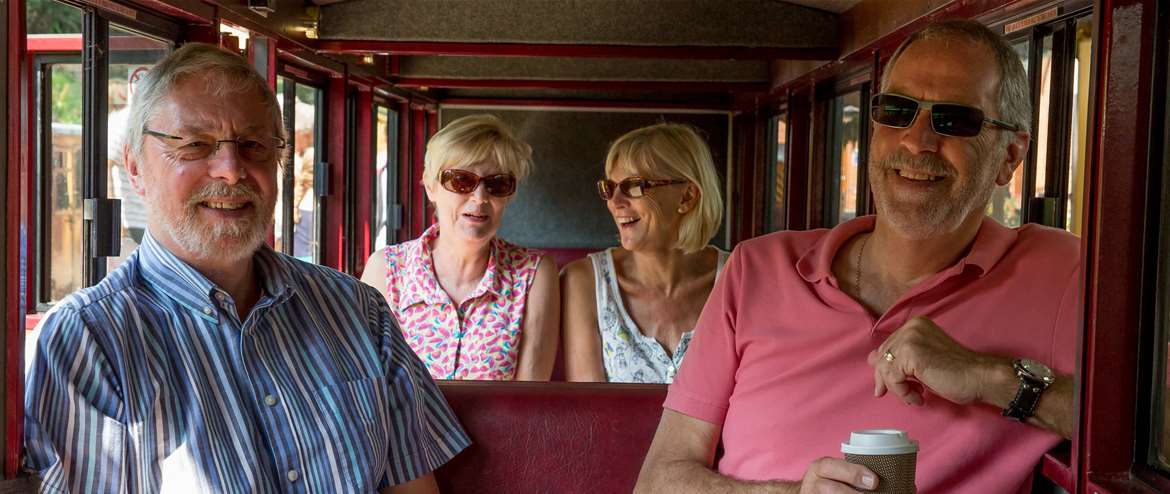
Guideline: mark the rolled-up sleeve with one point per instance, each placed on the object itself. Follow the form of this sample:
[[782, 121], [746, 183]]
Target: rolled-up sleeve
[[75, 440], [425, 433]]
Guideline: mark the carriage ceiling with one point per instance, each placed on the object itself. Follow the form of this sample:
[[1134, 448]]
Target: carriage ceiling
[[659, 50]]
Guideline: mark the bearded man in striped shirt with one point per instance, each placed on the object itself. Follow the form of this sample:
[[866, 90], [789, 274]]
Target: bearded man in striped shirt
[[207, 362]]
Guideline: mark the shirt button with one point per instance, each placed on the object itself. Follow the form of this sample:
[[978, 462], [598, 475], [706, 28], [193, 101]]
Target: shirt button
[[293, 475], [270, 400], [671, 372], [220, 296], [207, 310]]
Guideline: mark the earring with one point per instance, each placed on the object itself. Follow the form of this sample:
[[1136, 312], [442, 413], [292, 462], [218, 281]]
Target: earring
[[682, 210]]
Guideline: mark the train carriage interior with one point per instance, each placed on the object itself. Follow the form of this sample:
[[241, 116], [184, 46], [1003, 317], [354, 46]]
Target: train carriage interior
[[778, 89]]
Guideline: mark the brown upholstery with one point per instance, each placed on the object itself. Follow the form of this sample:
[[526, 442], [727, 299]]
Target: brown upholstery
[[550, 437]]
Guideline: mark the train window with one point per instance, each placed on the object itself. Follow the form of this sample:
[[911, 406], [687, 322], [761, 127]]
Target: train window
[[1079, 120], [131, 55], [55, 41], [843, 180], [386, 172], [777, 172], [297, 214], [1057, 58]]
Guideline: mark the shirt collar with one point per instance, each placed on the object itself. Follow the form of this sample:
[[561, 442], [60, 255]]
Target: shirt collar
[[990, 244], [423, 285], [163, 270]]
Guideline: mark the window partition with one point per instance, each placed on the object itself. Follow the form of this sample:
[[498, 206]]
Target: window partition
[[777, 159], [845, 196], [297, 222]]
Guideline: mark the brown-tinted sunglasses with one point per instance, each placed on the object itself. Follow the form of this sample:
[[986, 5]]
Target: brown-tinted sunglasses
[[465, 182], [633, 187]]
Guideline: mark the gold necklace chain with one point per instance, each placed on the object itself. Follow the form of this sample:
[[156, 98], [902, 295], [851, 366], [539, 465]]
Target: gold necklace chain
[[857, 269]]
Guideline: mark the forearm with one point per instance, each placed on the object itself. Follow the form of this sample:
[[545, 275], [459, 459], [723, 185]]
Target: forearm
[[686, 477], [1054, 412]]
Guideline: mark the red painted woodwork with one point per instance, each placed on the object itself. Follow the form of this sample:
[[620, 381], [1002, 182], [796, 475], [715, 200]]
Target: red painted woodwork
[[799, 166], [590, 104], [16, 192], [658, 86], [333, 235], [1055, 467], [367, 183], [574, 51], [1113, 239], [192, 11], [405, 178], [550, 437], [418, 207]]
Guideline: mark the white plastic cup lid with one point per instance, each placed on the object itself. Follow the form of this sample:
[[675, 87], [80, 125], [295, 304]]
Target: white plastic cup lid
[[879, 442]]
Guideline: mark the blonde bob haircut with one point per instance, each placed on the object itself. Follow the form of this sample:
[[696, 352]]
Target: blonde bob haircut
[[476, 139], [675, 151]]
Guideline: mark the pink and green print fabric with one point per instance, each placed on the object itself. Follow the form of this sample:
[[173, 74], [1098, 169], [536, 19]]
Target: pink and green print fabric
[[478, 339]]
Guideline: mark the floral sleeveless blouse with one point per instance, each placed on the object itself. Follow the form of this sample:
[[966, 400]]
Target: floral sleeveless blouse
[[630, 356], [476, 340]]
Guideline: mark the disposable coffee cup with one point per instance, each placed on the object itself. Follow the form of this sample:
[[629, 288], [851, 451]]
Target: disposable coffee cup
[[889, 453]]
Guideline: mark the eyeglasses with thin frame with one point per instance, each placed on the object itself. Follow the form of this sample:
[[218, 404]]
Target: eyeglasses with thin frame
[[252, 149], [948, 119], [465, 182], [632, 187]]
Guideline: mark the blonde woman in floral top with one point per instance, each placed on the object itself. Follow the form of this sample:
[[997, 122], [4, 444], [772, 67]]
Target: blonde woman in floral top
[[472, 306], [629, 310]]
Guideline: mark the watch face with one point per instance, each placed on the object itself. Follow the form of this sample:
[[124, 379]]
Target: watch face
[[1037, 370]]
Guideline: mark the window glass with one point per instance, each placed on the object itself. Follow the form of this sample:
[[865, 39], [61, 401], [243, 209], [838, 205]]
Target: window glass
[[61, 236], [1079, 123], [131, 56], [381, 175], [303, 145], [52, 17], [304, 200], [777, 204], [1044, 109], [844, 156], [1160, 429], [278, 243]]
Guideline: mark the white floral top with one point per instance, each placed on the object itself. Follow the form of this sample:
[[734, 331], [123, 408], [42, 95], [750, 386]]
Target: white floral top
[[629, 355]]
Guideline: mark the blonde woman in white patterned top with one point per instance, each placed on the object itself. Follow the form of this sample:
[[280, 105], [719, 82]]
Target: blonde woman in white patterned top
[[628, 312]]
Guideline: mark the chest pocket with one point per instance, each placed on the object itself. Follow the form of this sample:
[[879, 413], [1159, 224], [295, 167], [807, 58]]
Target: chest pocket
[[355, 433]]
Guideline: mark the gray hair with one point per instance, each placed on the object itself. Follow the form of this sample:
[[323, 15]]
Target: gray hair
[[224, 72], [1014, 91]]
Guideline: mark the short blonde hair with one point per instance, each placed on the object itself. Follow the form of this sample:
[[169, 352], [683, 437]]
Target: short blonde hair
[[675, 151], [475, 139]]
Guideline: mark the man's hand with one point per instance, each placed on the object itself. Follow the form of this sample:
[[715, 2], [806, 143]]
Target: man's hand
[[833, 475], [921, 354]]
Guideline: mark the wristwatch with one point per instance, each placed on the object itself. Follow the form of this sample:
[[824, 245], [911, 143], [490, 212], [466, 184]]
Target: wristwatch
[[1034, 379]]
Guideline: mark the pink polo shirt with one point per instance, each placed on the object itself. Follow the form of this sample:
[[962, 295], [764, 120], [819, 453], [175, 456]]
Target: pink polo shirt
[[779, 355]]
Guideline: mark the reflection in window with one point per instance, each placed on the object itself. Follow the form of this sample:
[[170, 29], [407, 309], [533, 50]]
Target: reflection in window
[[52, 17], [779, 173], [1079, 123], [844, 156], [131, 56], [306, 112], [1044, 109], [382, 175], [1007, 201], [61, 236]]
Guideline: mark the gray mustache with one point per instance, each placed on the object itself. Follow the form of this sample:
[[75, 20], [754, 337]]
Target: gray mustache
[[222, 190], [929, 164]]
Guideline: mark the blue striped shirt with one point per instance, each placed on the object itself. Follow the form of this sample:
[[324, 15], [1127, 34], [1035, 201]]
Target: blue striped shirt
[[150, 382]]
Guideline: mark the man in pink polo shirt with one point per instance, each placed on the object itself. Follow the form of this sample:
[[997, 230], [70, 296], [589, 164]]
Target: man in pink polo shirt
[[928, 317]]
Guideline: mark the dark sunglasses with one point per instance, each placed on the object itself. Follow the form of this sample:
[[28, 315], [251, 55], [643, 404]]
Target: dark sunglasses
[[632, 187], [948, 119], [465, 182]]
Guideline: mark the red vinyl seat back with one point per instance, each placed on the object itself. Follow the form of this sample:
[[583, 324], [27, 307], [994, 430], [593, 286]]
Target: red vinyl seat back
[[550, 437]]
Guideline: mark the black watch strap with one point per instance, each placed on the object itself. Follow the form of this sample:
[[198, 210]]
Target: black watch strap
[[1023, 406]]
